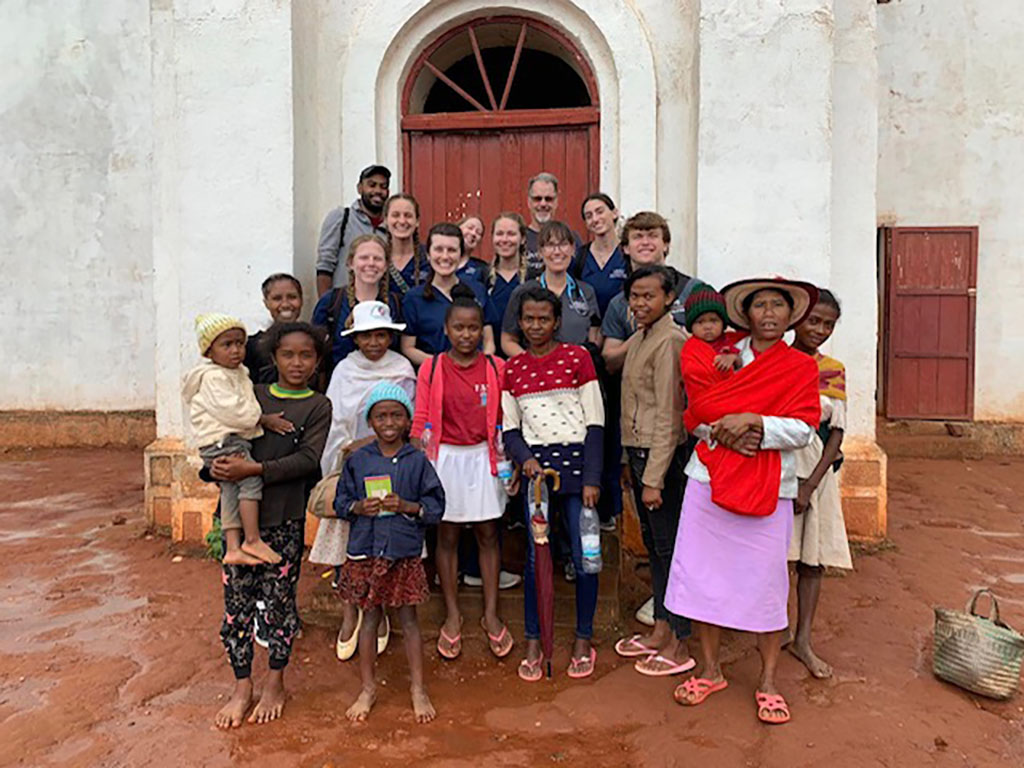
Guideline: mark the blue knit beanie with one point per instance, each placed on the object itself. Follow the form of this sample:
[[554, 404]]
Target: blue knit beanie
[[386, 390]]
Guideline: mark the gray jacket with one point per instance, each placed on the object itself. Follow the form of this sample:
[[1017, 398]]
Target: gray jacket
[[333, 245]]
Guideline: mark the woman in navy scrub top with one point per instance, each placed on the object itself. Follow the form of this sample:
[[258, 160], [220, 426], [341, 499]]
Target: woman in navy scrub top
[[601, 262], [425, 305], [408, 261], [508, 239]]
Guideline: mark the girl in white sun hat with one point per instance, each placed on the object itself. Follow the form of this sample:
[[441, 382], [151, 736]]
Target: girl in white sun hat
[[374, 361]]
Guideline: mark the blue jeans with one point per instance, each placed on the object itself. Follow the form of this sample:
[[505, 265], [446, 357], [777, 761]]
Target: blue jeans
[[586, 583]]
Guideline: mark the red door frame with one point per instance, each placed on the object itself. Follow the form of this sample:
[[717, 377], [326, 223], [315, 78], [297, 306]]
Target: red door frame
[[498, 119], [890, 234]]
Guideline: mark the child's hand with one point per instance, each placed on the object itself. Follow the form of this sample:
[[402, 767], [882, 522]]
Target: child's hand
[[532, 468], [725, 362], [803, 498], [391, 503], [276, 422], [367, 507], [591, 495]]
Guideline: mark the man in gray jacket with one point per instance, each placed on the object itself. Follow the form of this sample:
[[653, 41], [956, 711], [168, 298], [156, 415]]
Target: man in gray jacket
[[343, 225]]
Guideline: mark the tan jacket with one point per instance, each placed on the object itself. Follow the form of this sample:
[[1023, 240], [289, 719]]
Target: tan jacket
[[652, 397], [221, 402]]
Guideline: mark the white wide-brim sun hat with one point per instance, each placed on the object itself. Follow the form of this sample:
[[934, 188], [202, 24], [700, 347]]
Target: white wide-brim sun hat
[[372, 316], [804, 296]]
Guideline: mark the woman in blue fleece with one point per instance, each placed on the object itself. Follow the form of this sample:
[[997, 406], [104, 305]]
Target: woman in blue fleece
[[389, 493]]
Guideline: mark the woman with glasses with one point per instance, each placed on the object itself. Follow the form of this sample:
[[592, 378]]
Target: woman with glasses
[[581, 317]]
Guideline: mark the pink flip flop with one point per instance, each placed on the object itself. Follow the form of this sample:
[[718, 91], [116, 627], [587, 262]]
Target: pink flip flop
[[631, 647], [574, 663], [674, 668], [530, 671]]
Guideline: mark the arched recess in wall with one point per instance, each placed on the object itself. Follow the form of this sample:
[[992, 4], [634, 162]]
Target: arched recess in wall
[[489, 103], [390, 36]]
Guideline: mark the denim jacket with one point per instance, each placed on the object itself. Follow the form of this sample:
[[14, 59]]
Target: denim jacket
[[412, 478]]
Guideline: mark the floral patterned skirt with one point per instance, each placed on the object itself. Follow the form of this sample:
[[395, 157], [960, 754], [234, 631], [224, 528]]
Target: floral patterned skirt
[[377, 581]]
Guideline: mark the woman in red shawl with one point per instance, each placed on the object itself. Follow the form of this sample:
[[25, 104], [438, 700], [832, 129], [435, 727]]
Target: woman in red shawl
[[729, 566]]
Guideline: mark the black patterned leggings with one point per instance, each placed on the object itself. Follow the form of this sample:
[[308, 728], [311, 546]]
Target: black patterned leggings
[[275, 586]]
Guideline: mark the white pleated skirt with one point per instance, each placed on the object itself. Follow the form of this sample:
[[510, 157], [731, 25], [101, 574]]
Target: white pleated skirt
[[471, 493]]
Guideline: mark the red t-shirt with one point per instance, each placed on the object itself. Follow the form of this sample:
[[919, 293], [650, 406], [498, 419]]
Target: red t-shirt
[[464, 403]]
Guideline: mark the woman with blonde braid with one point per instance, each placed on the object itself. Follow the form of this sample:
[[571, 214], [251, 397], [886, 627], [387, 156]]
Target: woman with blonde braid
[[368, 261], [508, 238]]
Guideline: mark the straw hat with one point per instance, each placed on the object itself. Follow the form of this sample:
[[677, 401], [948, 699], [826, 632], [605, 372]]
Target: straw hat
[[804, 296], [372, 316]]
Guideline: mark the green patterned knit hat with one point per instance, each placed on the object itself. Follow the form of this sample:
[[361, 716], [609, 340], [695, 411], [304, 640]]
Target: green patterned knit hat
[[703, 298]]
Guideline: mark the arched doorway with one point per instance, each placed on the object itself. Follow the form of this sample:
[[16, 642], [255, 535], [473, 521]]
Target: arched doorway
[[489, 104]]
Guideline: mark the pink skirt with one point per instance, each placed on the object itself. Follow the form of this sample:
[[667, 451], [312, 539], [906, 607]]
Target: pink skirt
[[727, 569]]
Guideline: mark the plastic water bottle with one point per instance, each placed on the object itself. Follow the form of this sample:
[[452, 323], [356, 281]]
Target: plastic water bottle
[[504, 463], [426, 437], [590, 540]]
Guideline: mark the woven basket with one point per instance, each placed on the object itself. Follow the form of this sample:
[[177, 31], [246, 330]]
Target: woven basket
[[981, 654]]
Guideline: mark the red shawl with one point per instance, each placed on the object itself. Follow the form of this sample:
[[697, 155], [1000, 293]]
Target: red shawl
[[781, 381]]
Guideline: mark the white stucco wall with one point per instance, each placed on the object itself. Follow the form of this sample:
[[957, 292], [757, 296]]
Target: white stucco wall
[[951, 152], [75, 226], [765, 152], [223, 171]]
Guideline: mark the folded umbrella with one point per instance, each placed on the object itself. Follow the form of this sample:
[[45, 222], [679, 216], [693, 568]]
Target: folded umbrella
[[540, 529]]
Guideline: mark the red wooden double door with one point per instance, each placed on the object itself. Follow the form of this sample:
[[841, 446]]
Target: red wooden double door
[[507, 97], [453, 174]]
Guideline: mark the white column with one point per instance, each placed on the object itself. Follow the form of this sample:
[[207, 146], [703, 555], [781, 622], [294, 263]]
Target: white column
[[765, 139], [223, 172], [853, 274]]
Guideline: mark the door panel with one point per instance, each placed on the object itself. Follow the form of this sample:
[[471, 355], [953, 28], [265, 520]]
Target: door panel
[[453, 174], [931, 278]]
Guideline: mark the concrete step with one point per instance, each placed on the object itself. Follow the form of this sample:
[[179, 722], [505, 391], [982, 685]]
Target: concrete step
[[321, 605]]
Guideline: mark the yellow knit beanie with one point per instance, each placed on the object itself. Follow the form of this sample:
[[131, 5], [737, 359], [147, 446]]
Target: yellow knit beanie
[[211, 325]]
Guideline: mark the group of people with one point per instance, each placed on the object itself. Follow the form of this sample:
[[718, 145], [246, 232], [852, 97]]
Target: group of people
[[453, 383]]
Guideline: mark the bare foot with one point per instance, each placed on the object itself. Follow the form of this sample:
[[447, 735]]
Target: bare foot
[[238, 557], [817, 667], [360, 709], [259, 549], [232, 713], [421, 706], [271, 703]]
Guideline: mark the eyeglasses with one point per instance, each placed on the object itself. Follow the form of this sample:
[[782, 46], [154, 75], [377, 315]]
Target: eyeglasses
[[557, 246], [543, 198]]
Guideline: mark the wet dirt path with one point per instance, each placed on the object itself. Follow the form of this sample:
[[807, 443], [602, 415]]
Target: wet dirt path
[[109, 654]]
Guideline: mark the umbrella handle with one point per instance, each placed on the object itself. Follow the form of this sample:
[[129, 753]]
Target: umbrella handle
[[556, 479]]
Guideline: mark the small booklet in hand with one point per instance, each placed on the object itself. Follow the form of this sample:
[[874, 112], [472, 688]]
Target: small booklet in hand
[[377, 487]]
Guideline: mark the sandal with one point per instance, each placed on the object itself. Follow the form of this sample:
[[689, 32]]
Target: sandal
[[583, 666], [700, 688], [382, 640], [530, 671], [449, 647], [501, 643], [673, 667], [631, 647], [767, 703]]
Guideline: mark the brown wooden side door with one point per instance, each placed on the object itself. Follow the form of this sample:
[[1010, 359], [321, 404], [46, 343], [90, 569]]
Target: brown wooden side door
[[930, 296]]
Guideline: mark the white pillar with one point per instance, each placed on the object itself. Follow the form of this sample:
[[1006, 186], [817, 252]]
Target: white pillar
[[853, 276], [222, 204]]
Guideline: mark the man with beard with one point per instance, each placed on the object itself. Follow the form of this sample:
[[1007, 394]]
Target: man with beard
[[343, 225], [542, 200]]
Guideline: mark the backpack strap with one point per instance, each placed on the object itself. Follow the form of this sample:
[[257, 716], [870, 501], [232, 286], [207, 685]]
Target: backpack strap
[[333, 310]]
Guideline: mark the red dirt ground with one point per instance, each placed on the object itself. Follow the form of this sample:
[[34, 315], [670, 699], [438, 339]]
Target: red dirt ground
[[109, 653]]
